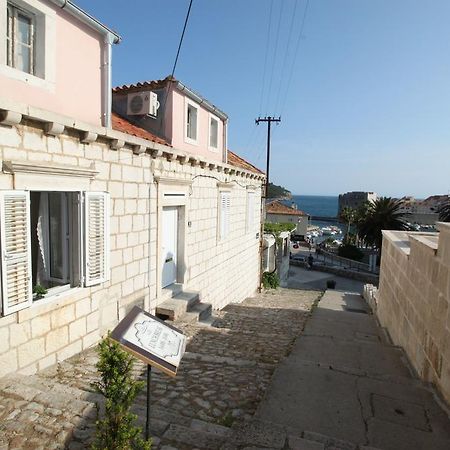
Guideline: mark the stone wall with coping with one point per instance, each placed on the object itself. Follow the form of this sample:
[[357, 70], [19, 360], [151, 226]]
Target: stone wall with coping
[[413, 300], [55, 328]]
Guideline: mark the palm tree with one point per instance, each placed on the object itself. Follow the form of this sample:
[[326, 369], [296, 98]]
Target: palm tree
[[444, 211], [382, 214], [347, 216]]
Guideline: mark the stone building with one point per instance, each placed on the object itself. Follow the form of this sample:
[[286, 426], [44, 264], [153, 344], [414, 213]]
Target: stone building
[[413, 300], [354, 199], [276, 212], [98, 214]]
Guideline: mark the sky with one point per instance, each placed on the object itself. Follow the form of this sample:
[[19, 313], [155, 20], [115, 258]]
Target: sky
[[362, 88]]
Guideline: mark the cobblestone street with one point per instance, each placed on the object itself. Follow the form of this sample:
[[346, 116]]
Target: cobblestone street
[[222, 379]]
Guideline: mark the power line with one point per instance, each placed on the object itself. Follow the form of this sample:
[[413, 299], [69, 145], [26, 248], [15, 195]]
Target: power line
[[288, 46], [275, 54], [182, 37], [265, 57], [302, 27]]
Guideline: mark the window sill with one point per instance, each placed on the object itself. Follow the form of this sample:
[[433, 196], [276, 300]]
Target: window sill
[[190, 141], [50, 303], [27, 78]]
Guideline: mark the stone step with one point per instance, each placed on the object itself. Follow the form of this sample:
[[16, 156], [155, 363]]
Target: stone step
[[198, 313], [178, 305]]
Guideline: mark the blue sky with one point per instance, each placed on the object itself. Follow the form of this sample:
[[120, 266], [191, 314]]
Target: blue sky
[[368, 107]]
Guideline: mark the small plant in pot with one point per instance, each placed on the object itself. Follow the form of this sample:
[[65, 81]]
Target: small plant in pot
[[39, 291], [331, 284]]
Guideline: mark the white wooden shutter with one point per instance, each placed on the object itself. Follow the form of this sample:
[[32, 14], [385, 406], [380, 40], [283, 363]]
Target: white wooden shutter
[[250, 210], [225, 203], [15, 239], [96, 238]]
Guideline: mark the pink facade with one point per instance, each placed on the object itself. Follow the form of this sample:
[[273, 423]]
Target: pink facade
[[176, 116], [73, 82]]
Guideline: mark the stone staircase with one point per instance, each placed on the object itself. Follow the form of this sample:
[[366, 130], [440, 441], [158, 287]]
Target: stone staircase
[[183, 305]]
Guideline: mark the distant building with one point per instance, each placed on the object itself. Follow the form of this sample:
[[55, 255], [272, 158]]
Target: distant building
[[276, 212], [355, 199], [423, 212]]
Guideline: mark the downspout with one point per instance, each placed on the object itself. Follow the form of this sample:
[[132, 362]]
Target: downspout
[[107, 82], [225, 141]]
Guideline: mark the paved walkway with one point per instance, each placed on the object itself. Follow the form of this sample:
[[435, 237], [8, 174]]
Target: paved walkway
[[258, 379], [345, 386], [222, 379], [300, 278]]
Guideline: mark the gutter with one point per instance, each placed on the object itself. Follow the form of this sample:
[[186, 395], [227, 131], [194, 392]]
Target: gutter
[[110, 37], [87, 19], [201, 101]]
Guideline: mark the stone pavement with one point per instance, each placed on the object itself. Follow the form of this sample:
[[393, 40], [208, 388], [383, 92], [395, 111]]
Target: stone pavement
[[301, 278], [222, 379], [345, 386]]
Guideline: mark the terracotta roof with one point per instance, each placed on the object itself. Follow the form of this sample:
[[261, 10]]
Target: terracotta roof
[[278, 208], [121, 124], [237, 161], [150, 84]]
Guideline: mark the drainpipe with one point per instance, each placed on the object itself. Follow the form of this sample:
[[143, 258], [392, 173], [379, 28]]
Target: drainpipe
[[106, 82], [224, 141]]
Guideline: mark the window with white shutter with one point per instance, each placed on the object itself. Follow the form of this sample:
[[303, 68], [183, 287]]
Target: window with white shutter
[[250, 210], [16, 250], [96, 210], [225, 203]]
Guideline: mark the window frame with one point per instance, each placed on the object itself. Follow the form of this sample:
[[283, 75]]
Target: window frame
[[12, 37], [217, 120], [224, 215], [77, 224], [187, 139], [250, 211], [44, 48]]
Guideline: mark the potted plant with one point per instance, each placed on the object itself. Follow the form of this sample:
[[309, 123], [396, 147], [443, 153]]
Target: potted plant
[[331, 284]]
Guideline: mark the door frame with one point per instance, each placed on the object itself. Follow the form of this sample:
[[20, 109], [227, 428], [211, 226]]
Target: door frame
[[172, 192]]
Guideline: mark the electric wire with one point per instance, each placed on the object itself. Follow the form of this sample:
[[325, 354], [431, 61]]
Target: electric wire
[[265, 58], [302, 27], [181, 38], [274, 56], [286, 53]]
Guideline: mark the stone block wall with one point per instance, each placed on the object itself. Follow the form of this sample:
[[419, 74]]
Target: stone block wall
[[413, 300], [57, 327]]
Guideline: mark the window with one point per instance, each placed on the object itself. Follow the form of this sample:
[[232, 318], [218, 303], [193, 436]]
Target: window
[[191, 122], [20, 39], [250, 210], [213, 133], [224, 214], [56, 240]]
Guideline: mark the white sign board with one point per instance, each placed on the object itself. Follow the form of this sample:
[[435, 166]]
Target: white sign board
[[151, 340]]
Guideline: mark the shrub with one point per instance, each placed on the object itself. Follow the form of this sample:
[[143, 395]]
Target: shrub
[[270, 280], [351, 252], [116, 430]]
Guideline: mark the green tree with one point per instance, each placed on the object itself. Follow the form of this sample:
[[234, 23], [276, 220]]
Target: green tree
[[382, 214], [444, 211], [347, 216], [116, 430]]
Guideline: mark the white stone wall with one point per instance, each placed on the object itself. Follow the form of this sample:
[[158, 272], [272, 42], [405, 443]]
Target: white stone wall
[[413, 301], [222, 271]]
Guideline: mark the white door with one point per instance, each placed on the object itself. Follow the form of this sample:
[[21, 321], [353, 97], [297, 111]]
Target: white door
[[169, 245]]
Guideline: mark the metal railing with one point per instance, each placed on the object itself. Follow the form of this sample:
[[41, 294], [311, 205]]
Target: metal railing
[[329, 258]]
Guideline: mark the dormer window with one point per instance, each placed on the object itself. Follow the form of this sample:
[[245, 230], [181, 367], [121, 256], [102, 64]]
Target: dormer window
[[213, 133], [192, 112], [20, 39]]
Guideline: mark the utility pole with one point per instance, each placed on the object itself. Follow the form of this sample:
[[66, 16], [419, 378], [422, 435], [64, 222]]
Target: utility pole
[[269, 121]]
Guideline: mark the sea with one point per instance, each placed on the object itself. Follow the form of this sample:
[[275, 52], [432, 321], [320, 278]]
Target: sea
[[318, 205]]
